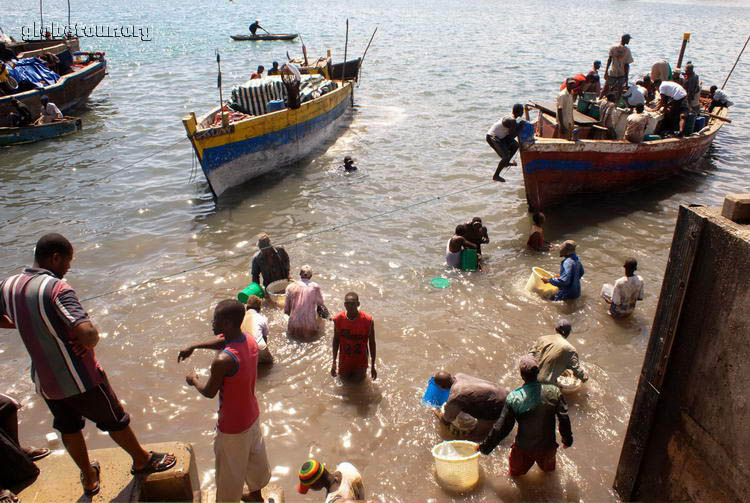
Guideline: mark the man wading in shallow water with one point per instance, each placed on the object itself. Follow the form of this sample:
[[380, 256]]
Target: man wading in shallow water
[[60, 340], [353, 333], [239, 446]]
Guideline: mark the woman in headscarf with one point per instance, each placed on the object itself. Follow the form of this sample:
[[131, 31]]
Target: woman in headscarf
[[304, 301]]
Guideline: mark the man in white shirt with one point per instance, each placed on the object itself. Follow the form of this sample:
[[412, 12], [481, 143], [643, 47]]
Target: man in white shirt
[[500, 138], [342, 486], [618, 67], [565, 110], [50, 112], [674, 105], [634, 96], [626, 291], [256, 325]]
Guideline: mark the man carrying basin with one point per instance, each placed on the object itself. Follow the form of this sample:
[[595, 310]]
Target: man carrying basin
[[556, 355], [571, 272], [270, 261], [473, 405], [534, 406]]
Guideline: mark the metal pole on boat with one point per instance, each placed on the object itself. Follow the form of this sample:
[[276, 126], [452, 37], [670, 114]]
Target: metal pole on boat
[[67, 31], [736, 61], [224, 120], [343, 67], [41, 21], [362, 59], [685, 39]]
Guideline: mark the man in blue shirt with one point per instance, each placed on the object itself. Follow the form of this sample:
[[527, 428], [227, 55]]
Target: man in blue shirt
[[571, 272]]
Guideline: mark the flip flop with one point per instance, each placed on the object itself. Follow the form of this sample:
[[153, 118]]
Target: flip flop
[[37, 453], [156, 463], [8, 497], [95, 490]]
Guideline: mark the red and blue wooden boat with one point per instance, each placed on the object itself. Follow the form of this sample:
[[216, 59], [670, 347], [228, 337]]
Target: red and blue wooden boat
[[556, 170]]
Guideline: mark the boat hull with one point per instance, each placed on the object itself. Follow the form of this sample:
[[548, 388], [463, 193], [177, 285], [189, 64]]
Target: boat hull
[[274, 36], [29, 134], [555, 171], [245, 150], [68, 93]]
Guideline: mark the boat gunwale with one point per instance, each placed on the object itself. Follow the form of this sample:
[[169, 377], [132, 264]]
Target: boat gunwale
[[89, 68]]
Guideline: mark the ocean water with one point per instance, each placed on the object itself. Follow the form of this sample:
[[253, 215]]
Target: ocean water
[[129, 195]]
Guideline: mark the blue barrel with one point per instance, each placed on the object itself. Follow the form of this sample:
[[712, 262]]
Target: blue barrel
[[700, 122], [526, 132], [689, 124], [275, 106]]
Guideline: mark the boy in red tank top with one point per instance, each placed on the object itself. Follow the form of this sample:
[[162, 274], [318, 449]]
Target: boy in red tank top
[[353, 336]]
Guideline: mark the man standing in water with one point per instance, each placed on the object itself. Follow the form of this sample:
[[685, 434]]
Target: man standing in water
[[556, 355], [239, 446], [353, 334], [270, 261], [571, 272], [343, 485], [60, 339], [500, 138], [534, 406]]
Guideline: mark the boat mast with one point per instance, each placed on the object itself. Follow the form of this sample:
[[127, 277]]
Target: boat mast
[[685, 39], [41, 21], [224, 119]]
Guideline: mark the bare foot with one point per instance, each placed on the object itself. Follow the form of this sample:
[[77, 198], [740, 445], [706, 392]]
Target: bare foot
[[498, 178]]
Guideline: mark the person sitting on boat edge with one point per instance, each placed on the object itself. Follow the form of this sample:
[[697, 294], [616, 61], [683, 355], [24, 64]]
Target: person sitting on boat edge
[[255, 26], [274, 69], [624, 294], [718, 99], [565, 121], [456, 245], [571, 272], [258, 74], [673, 104], [536, 240], [50, 112], [500, 138], [349, 164], [635, 126], [22, 116]]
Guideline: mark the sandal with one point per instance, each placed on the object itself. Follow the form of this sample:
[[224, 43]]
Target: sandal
[[158, 462], [8, 497], [37, 453], [95, 490]]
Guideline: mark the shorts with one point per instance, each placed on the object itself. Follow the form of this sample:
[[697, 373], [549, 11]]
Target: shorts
[[240, 459], [504, 147], [99, 404], [352, 366], [521, 460]]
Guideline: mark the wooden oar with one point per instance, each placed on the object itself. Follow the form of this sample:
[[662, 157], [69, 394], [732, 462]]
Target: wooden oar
[[720, 118]]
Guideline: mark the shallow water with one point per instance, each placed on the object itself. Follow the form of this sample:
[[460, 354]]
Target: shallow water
[[434, 80]]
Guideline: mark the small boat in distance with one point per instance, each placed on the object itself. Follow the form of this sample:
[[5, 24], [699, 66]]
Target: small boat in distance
[[266, 36], [37, 132]]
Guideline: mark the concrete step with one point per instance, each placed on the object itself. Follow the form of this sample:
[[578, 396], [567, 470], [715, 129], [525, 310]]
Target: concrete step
[[59, 479]]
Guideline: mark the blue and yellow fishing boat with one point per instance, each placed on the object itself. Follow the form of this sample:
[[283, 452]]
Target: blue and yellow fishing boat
[[256, 133]]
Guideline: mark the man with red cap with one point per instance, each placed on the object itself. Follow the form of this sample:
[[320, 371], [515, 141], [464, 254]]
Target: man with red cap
[[534, 406], [343, 485]]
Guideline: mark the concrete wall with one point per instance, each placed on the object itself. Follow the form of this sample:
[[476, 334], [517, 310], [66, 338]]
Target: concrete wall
[[693, 388]]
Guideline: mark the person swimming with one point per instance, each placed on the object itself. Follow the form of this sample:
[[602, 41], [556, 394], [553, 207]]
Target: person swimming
[[349, 164]]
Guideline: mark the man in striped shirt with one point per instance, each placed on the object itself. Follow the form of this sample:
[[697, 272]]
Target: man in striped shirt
[[60, 339]]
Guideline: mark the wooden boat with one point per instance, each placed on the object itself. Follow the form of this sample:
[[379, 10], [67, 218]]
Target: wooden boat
[[266, 36], [556, 170], [351, 68], [69, 92], [325, 66], [233, 153], [30, 48], [36, 132]]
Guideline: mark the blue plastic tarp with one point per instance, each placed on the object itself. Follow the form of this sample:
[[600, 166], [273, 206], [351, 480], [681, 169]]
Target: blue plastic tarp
[[33, 71]]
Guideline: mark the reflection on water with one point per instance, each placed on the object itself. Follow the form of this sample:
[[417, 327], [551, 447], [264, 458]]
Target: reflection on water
[[417, 132]]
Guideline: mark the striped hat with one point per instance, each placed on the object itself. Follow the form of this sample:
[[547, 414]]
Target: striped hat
[[309, 474]]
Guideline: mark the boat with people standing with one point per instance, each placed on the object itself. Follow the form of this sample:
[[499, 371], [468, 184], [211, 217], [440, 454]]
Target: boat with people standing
[[270, 122], [599, 158]]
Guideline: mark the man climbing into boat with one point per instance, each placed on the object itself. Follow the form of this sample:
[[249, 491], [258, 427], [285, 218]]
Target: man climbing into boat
[[254, 27], [500, 138], [618, 67], [22, 116]]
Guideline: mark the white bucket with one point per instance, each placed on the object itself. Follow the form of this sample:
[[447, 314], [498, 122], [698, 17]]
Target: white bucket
[[568, 383], [277, 291], [536, 285], [457, 464]]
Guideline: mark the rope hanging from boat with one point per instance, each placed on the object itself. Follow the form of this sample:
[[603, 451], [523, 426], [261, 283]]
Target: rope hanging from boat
[[150, 283]]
